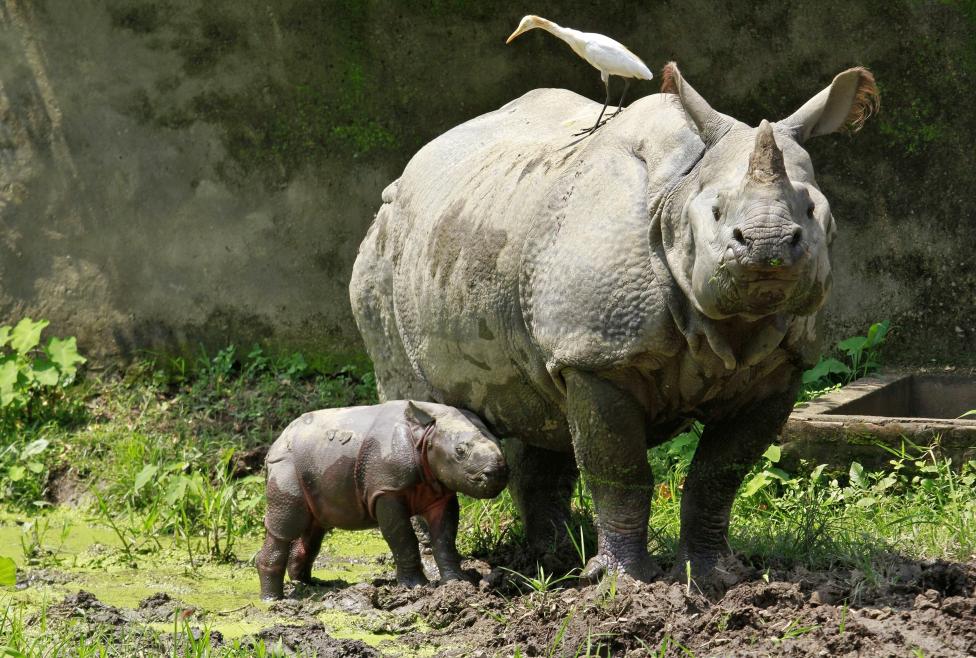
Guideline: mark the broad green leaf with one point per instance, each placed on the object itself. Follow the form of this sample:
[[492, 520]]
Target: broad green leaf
[[867, 501], [8, 382], [35, 467], [45, 373], [971, 412], [778, 473], [877, 332], [64, 354], [815, 473], [823, 368], [176, 491], [759, 481], [34, 448], [8, 572], [773, 453], [27, 335], [853, 344], [145, 475], [4, 335], [858, 478], [16, 473]]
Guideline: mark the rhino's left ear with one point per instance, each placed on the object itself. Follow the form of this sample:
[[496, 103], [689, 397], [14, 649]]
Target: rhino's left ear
[[847, 103], [418, 416]]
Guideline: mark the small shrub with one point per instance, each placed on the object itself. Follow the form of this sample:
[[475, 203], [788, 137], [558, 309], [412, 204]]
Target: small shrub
[[33, 378]]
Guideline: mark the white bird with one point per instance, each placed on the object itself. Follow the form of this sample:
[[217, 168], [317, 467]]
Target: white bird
[[603, 53]]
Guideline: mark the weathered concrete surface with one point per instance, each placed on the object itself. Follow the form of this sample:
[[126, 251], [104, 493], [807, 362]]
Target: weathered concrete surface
[[866, 419], [176, 172]]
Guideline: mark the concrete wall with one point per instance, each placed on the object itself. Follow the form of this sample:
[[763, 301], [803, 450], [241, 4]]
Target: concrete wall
[[178, 172]]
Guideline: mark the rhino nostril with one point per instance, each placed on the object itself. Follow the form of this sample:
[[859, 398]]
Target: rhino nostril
[[796, 237], [738, 237]]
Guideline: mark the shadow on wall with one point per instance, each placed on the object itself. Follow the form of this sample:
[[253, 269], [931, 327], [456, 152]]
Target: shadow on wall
[[177, 172]]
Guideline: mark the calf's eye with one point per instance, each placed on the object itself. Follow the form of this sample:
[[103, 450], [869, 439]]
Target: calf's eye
[[716, 213], [810, 210], [460, 450]]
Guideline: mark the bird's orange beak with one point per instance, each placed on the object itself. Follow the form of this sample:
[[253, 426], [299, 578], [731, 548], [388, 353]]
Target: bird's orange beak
[[513, 35]]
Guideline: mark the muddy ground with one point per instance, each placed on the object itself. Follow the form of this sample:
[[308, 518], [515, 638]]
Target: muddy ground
[[909, 608]]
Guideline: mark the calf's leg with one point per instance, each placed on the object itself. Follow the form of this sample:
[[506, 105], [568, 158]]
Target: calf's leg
[[304, 550], [443, 524], [393, 517], [287, 518]]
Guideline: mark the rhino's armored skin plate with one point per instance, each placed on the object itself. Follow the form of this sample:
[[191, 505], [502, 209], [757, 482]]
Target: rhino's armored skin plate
[[590, 297], [360, 467]]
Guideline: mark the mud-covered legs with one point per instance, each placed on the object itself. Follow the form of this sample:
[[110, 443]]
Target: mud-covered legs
[[443, 524], [541, 483], [393, 517], [726, 452], [608, 428]]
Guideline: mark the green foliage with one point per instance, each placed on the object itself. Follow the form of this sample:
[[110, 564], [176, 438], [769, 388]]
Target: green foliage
[[32, 377], [8, 572], [862, 359]]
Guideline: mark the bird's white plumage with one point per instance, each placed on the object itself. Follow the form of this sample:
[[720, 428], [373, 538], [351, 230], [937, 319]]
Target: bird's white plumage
[[608, 56]]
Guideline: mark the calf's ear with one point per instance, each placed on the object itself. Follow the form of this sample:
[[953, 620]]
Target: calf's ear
[[847, 103], [418, 416]]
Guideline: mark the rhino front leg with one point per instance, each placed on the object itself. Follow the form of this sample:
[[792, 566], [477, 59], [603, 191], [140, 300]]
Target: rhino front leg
[[393, 517], [443, 524], [609, 437], [726, 452]]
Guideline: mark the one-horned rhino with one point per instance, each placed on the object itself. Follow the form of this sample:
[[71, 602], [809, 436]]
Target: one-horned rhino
[[592, 297], [359, 467]]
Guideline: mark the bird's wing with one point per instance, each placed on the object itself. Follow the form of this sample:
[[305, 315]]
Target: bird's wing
[[613, 57]]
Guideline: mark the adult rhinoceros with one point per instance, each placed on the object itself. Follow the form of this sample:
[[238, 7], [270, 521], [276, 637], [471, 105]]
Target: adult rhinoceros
[[592, 297]]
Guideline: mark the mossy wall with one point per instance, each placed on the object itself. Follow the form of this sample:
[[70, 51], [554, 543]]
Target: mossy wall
[[184, 172]]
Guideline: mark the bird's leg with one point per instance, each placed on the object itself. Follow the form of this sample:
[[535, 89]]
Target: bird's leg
[[620, 105], [596, 125]]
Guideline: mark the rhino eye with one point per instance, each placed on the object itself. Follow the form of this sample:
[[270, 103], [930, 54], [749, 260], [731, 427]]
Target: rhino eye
[[460, 450], [810, 210], [716, 213]]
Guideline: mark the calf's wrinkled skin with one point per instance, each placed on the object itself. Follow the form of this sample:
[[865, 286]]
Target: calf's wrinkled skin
[[592, 297], [359, 467]]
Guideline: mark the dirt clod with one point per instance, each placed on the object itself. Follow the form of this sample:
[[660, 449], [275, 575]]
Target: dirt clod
[[313, 639]]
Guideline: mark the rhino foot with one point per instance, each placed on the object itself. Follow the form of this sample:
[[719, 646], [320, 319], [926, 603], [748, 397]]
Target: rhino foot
[[640, 568], [412, 580]]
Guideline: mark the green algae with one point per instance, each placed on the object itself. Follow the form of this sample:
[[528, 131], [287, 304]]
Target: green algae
[[71, 553]]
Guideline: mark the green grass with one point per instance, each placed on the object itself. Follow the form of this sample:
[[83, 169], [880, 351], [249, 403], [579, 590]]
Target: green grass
[[152, 453]]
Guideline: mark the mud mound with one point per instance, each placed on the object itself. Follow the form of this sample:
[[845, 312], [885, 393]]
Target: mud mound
[[160, 608], [313, 639], [86, 606], [930, 606]]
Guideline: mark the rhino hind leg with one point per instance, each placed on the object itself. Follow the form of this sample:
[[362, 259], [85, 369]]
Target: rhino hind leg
[[541, 483], [286, 519], [303, 552], [725, 455]]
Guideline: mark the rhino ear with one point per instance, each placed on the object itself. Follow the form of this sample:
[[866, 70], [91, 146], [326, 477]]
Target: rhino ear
[[711, 125], [418, 416], [849, 100]]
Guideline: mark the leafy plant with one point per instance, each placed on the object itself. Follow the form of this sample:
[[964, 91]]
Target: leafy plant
[[862, 355], [32, 378]]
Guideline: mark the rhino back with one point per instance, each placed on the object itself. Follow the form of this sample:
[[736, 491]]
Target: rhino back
[[513, 249]]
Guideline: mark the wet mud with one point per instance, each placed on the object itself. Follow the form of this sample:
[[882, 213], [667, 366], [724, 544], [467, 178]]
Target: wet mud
[[911, 607]]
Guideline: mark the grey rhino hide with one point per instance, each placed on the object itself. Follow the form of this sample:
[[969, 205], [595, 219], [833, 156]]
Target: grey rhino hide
[[509, 253]]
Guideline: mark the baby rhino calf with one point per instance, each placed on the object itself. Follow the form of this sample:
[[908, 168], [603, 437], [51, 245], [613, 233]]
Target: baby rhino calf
[[360, 467]]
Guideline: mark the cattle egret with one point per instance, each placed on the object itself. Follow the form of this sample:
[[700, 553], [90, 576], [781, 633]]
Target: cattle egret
[[603, 53]]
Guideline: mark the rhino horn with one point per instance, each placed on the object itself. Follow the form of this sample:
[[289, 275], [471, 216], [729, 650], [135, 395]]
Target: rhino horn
[[766, 161]]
